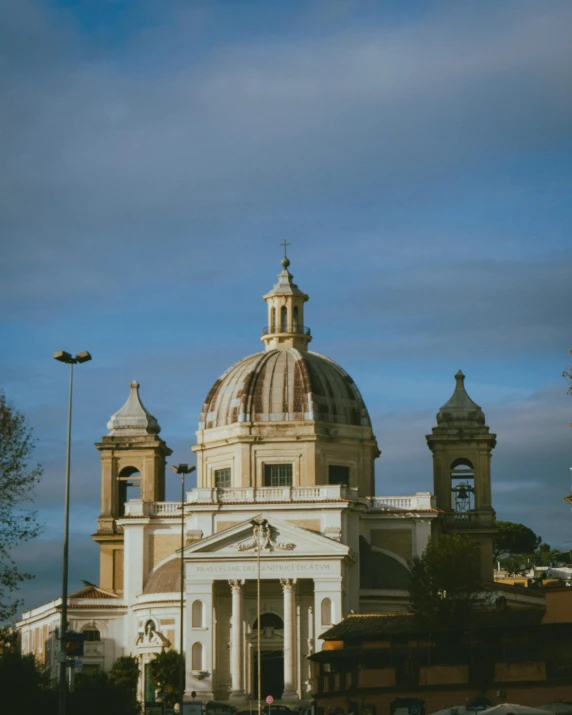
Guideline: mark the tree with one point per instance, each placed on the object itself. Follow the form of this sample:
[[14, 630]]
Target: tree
[[165, 674], [514, 539], [445, 579], [96, 693], [17, 480], [25, 685], [567, 375], [125, 674]]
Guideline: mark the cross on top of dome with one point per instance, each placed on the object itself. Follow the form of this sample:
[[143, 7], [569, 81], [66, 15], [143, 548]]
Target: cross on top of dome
[[285, 262], [285, 328]]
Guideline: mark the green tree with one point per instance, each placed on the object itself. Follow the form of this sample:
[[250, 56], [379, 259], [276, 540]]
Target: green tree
[[125, 674], [24, 684], [165, 674], [513, 539], [445, 580], [17, 480], [96, 693]]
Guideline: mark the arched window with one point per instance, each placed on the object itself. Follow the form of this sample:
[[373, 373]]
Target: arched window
[[197, 656], [91, 633], [197, 614], [295, 320], [273, 320], [326, 610], [129, 481], [269, 620], [284, 319]]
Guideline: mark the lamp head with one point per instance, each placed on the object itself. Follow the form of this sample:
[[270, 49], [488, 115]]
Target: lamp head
[[83, 357], [62, 356], [182, 469]]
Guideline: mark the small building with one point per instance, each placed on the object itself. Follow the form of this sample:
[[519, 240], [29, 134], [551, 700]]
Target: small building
[[520, 654]]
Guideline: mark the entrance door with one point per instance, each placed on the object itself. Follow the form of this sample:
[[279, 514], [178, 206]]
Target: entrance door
[[149, 687], [271, 674]]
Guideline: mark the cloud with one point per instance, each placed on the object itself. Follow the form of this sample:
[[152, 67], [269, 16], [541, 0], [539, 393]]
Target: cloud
[[419, 164], [111, 158], [481, 308], [43, 559]]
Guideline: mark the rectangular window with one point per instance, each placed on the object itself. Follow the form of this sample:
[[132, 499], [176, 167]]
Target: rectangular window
[[277, 475], [338, 475], [222, 478]]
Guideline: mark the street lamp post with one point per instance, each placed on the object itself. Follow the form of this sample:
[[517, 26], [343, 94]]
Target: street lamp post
[[182, 469], [258, 525], [66, 358]]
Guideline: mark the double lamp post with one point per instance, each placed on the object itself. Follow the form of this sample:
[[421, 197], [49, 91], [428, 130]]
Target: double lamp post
[[68, 359], [183, 470]]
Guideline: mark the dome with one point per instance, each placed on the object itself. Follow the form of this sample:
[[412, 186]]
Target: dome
[[165, 579], [284, 385]]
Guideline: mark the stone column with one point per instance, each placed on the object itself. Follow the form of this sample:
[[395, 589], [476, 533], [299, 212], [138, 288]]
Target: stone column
[[236, 652], [289, 586]]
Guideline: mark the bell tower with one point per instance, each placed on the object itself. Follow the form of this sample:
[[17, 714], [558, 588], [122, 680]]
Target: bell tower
[[461, 445], [132, 467]]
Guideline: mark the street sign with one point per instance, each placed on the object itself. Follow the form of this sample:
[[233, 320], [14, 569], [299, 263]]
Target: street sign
[[74, 644], [77, 664], [269, 699]]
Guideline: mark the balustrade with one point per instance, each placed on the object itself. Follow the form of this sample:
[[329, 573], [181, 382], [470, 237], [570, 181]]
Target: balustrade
[[276, 495]]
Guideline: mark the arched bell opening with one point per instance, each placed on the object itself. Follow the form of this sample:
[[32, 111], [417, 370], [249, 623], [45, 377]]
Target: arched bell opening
[[129, 486], [462, 487]]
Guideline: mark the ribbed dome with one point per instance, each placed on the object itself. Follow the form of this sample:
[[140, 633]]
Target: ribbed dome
[[284, 385], [165, 579]]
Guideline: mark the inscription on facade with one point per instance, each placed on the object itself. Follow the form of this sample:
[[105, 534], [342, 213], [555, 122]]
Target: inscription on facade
[[264, 568]]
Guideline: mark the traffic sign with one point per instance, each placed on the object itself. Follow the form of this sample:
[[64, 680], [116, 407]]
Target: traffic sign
[[269, 699], [74, 644]]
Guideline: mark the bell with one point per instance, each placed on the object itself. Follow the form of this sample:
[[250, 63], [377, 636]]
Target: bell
[[463, 493]]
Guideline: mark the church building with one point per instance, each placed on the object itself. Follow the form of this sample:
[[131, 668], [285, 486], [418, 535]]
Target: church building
[[285, 502]]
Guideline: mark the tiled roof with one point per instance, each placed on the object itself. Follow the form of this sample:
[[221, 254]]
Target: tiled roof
[[380, 624], [93, 592]]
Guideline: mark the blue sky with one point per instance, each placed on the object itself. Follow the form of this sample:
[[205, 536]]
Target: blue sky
[[416, 155]]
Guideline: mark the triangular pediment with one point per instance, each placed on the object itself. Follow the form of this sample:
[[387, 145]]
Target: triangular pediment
[[92, 591], [280, 540]]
